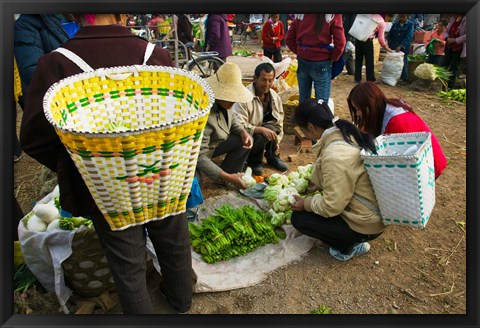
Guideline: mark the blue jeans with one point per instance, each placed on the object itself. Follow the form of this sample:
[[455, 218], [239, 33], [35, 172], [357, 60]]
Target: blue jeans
[[320, 73]]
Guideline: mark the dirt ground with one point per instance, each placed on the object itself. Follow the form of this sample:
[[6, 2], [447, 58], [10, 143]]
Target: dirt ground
[[407, 271]]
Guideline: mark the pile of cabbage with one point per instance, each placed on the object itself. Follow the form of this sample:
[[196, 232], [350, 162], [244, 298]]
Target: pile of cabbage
[[281, 190]]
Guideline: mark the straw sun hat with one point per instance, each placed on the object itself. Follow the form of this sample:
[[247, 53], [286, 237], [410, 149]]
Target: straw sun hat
[[227, 84]]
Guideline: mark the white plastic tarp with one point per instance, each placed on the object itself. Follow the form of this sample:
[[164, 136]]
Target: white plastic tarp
[[252, 268]]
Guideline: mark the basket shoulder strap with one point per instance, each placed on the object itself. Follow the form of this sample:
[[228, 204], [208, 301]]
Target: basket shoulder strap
[[361, 199], [367, 203], [340, 142], [75, 58], [148, 52]]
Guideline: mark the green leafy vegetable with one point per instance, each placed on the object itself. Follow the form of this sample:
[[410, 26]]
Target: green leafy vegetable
[[232, 232]]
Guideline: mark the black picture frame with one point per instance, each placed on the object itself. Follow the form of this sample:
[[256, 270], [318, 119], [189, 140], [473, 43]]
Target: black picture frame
[[11, 7]]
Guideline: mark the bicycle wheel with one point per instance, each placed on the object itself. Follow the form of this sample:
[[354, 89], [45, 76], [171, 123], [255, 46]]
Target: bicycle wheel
[[205, 67], [243, 37]]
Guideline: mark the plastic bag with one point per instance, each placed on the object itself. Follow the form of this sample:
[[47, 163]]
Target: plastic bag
[[349, 47], [44, 253], [392, 68], [430, 50]]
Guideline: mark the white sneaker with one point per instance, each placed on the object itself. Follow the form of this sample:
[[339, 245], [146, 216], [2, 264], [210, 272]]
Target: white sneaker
[[358, 249]]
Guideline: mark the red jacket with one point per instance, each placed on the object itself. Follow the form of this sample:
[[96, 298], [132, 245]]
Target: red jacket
[[269, 31], [302, 38], [411, 122]]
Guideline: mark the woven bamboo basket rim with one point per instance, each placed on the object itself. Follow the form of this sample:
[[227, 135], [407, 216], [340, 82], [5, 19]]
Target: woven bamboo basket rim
[[133, 69], [424, 143]]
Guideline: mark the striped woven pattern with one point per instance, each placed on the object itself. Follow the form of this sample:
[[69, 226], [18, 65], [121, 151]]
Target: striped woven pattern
[[134, 134], [404, 184]]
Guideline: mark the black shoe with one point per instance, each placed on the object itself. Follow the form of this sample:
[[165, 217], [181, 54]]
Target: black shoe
[[257, 169], [277, 163]]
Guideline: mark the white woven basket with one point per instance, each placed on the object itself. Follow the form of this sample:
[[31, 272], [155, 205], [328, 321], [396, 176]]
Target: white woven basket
[[404, 184]]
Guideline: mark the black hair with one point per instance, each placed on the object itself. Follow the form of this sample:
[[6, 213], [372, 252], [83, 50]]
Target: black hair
[[320, 115], [444, 22], [267, 67]]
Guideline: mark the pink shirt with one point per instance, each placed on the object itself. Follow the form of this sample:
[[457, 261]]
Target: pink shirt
[[380, 29], [439, 46]]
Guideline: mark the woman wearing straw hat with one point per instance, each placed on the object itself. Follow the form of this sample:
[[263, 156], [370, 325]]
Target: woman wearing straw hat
[[109, 44], [223, 134]]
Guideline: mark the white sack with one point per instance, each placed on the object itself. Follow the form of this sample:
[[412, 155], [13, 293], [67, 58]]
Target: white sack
[[44, 253], [392, 68]]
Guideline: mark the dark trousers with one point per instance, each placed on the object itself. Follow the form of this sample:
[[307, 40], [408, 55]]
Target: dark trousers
[[334, 231], [435, 60], [364, 50], [404, 75], [273, 54], [349, 62], [260, 146], [451, 62], [125, 251], [235, 156]]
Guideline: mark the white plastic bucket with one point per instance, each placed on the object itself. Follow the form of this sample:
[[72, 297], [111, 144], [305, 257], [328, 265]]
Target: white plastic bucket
[[363, 27]]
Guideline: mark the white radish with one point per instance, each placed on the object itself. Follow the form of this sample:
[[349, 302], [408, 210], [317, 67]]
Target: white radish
[[46, 212], [55, 224], [36, 224]]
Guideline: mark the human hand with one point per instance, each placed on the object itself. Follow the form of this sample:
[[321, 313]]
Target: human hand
[[451, 40], [311, 187], [299, 204], [247, 140], [399, 48], [267, 133], [236, 180]]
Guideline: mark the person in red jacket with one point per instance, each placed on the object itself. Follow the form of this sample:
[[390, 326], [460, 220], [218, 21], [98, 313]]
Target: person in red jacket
[[373, 112], [272, 35], [310, 37]]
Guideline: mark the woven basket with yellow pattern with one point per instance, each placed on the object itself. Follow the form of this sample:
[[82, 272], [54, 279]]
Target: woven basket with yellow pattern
[[134, 134]]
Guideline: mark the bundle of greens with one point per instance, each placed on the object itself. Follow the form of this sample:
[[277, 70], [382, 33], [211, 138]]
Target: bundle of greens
[[454, 94], [242, 53], [432, 72], [23, 279], [417, 57], [232, 232]]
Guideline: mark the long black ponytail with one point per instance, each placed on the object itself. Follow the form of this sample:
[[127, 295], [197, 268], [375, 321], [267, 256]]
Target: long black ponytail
[[319, 114]]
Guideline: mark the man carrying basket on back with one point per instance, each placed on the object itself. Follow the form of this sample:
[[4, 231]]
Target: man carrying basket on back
[[109, 44]]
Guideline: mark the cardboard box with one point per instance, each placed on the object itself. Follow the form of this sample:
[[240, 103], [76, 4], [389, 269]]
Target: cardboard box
[[421, 37]]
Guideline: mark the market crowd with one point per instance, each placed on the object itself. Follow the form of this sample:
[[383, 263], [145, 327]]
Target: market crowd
[[244, 127]]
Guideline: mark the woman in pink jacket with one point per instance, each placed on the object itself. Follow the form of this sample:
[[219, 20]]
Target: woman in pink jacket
[[364, 50], [438, 38], [373, 112]]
